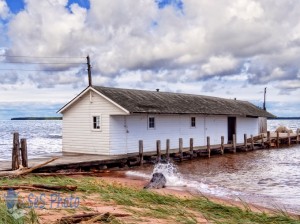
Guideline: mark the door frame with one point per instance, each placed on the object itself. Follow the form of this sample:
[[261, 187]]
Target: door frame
[[231, 127]]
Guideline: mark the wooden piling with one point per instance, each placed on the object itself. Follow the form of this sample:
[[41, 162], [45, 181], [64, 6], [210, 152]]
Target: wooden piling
[[222, 145], [289, 138], [298, 137], [158, 150], [252, 143], [168, 149], [245, 142], [191, 148], [262, 140], [141, 152], [180, 149], [16, 152], [24, 154], [234, 143], [277, 139], [208, 146], [269, 137]]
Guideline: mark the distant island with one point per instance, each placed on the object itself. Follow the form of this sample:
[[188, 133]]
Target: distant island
[[284, 118], [35, 118]]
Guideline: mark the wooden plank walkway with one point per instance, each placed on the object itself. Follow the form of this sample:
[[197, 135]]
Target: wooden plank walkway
[[85, 161], [70, 160]]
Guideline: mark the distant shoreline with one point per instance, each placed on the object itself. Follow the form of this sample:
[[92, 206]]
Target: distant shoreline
[[35, 118], [284, 118], [60, 118]]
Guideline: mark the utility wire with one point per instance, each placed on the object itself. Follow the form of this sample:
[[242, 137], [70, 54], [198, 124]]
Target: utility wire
[[27, 56], [59, 63], [31, 70]]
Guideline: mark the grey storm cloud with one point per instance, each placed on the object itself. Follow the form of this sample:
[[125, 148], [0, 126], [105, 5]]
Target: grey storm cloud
[[205, 39], [9, 78]]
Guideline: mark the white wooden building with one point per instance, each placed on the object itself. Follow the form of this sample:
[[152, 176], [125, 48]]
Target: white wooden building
[[111, 121]]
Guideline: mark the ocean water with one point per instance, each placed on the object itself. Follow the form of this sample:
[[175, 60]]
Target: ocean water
[[265, 177], [269, 178], [43, 137]]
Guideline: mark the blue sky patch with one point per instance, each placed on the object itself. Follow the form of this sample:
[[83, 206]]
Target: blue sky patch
[[82, 3], [178, 4], [15, 6]]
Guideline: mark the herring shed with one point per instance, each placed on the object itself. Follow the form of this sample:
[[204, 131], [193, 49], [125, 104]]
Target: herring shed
[[111, 121]]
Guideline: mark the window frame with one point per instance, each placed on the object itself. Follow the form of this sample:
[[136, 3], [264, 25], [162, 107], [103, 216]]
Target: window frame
[[148, 123], [193, 122], [95, 122]]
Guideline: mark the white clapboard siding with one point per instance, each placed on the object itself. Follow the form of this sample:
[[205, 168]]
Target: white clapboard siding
[[78, 135], [118, 142], [120, 132], [126, 131], [215, 127], [246, 125]]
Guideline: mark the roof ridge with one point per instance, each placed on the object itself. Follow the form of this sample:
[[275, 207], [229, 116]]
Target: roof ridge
[[175, 93]]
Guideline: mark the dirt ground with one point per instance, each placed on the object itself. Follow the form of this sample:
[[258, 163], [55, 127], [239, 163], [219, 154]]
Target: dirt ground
[[49, 211]]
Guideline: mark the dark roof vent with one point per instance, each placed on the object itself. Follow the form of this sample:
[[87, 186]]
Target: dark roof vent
[[157, 90]]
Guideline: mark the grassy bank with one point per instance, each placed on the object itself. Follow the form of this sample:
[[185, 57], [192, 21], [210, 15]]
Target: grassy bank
[[144, 205]]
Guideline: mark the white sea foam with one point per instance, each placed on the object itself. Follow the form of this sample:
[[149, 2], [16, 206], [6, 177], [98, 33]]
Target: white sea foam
[[175, 179], [138, 174]]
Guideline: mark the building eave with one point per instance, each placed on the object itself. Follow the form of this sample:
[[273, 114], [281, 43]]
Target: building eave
[[90, 88]]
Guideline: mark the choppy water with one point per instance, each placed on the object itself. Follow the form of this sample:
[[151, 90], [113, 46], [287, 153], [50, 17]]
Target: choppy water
[[43, 137], [266, 177]]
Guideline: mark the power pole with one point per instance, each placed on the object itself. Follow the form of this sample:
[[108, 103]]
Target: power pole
[[265, 92], [89, 70]]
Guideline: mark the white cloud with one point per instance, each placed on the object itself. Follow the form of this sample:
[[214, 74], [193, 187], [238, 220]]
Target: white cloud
[[289, 85], [133, 43], [219, 64], [245, 9], [4, 10]]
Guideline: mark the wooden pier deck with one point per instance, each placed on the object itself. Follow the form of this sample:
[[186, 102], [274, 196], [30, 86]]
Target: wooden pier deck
[[71, 161], [76, 161]]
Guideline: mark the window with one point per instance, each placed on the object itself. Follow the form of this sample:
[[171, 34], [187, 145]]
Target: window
[[151, 122], [193, 122], [96, 122]]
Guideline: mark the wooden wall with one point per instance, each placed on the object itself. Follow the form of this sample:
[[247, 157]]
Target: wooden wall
[[78, 133]]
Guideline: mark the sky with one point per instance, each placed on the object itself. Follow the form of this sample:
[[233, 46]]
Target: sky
[[229, 48]]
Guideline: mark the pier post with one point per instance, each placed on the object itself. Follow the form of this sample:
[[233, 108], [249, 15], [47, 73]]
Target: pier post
[[234, 143], [208, 146], [141, 152], [168, 149], [16, 152], [222, 145], [298, 137], [262, 140], [289, 138], [269, 137], [191, 148], [24, 152], [158, 150], [277, 139], [245, 142], [252, 143], [180, 149]]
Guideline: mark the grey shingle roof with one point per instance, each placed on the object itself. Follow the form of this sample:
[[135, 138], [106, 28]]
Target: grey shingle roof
[[142, 101]]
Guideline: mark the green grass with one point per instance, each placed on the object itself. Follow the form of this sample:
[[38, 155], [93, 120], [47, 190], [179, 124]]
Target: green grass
[[143, 203], [30, 217]]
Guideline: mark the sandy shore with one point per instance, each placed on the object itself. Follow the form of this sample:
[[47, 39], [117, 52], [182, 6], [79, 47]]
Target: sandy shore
[[181, 192], [93, 202]]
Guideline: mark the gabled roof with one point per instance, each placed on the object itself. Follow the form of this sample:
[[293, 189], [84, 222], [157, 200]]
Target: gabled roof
[[142, 101]]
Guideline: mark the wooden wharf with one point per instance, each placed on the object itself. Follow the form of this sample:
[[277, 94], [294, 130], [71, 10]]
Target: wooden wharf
[[84, 162]]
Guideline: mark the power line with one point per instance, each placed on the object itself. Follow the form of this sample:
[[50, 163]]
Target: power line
[[27, 56], [31, 70], [58, 63]]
